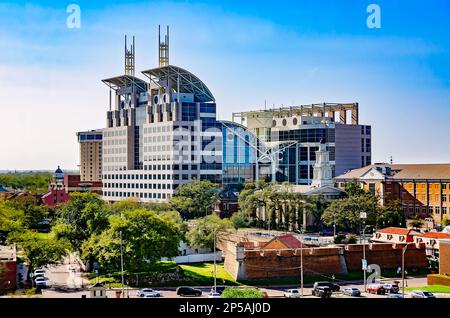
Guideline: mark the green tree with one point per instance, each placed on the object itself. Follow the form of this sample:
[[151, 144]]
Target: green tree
[[445, 221], [239, 220], [146, 237], [354, 189], [34, 182], [416, 222], [38, 251], [11, 220], [194, 199], [85, 214], [202, 234], [346, 212], [391, 215]]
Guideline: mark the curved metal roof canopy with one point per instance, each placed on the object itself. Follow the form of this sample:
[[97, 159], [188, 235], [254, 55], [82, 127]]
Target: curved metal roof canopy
[[124, 81], [185, 80]]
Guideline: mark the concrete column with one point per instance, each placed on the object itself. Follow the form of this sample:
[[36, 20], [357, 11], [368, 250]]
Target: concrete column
[[343, 116], [355, 114]]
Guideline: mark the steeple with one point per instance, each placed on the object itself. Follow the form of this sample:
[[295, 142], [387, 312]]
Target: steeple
[[322, 168]]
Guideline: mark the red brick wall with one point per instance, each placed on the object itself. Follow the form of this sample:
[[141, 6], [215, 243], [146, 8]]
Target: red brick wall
[[279, 263], [444, 257], [438, 280], [387, 256], [11, 276], [333, 260]]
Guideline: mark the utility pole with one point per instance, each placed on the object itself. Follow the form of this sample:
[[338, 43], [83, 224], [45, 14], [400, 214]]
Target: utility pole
[[301, 270], [121, 263], [334, 225], [363, 217], [364, 257], [215, 265], [403, 268]]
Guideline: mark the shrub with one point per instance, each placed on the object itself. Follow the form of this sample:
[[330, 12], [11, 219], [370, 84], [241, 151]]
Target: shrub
[[234, 292], [339, 239], [351, 239]]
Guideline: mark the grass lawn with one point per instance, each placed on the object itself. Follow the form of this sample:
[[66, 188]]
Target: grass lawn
[[197, 274], [203, 273], [431, 288]]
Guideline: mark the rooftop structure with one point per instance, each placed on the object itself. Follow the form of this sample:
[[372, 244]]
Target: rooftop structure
[[159, 134]]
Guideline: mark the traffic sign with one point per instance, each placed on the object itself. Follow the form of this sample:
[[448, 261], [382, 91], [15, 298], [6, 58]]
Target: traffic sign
[[364, 264]]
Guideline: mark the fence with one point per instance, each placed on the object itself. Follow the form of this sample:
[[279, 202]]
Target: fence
[[195, 258]]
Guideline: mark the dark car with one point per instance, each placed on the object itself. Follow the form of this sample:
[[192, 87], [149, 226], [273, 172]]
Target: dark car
[[188, 291], [334, 287], [220, 289], [322, 291]]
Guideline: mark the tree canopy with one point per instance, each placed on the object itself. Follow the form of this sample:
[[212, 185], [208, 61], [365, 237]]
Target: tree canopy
[[145, 237], [194, 199], [202, 234]]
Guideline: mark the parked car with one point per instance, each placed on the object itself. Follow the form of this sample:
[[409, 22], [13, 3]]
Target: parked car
[[148, 293], [219, 289], [394, 296], [39, 274], [334, 287], [38, 271], [292, 293], [422, 294], [391, 288], [376, 289], [351, 291], [42, 282], [322, 291], [188, 291], [214, 295], [326, 232]]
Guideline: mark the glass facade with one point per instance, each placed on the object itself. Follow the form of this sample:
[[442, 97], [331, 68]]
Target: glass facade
[[239, 155]]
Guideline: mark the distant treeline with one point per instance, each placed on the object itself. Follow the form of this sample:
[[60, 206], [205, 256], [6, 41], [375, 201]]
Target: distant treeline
[[35, 182]]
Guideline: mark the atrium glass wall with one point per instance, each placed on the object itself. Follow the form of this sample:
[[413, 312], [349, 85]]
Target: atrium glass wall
[[239, 155]]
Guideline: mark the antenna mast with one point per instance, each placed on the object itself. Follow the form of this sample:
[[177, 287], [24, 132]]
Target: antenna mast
[[163, 48], [129, 58]]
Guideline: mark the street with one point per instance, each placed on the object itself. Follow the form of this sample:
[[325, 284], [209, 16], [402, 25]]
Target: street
[[170, 292]]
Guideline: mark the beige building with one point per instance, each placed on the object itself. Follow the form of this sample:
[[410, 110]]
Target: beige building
[[90, 155]]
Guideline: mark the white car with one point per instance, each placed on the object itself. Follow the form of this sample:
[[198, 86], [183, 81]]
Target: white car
[[41, 282], [148, 293], [38, 271], [214, 295], [292, 293], [422, 294]]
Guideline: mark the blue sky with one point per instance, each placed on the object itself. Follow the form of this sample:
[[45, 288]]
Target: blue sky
[[284, 52]]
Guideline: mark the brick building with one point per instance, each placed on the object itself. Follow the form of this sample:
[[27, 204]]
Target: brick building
[[8, 280], [432, 242], [394, 235], [444, 263], [422, 189]]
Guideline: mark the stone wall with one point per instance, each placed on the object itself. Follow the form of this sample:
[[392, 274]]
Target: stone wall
[[245, 264], [438, 280]]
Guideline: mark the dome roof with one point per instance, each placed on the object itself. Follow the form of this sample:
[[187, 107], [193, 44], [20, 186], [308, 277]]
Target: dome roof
[[59, 174]]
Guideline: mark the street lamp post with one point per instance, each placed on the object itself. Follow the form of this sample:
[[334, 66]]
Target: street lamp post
[[121, 263], [364, 257], [403, 268], [363, 217], [215, 265], [301, 270]]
